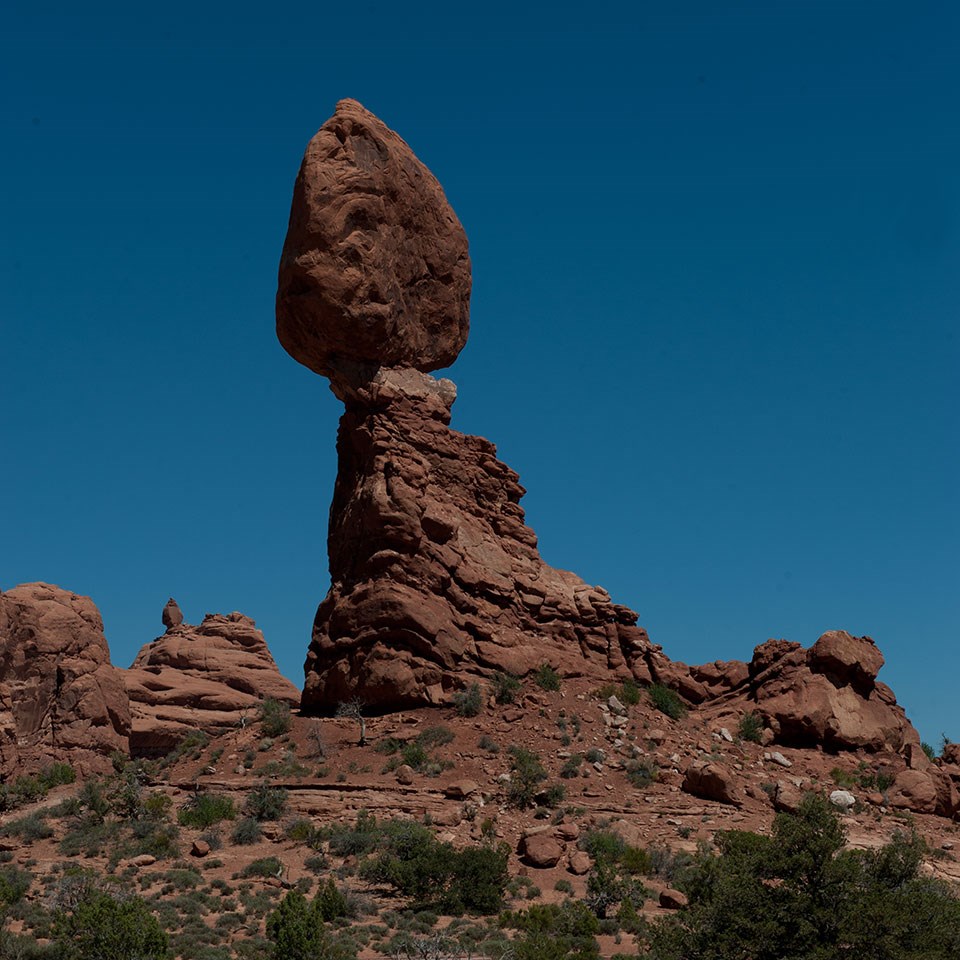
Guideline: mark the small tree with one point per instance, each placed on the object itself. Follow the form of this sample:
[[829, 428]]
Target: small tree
[[353, 709]]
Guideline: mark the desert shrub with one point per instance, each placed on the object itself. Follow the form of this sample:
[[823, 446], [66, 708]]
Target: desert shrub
[[264, 867], [213, 838], [102, 928], [564, 886], [928, 750], [546, 678], [156, 806], [157, 839], [30, 828], [526, 775], [297, 931], [329, 902], [266, 803], [300, 830], [417, 865], [488, 744], [596, 755], [435, 736], [636, 860], [469, 702], [629, 693], [641, 772], [750, 727], [205, 809], [608, 885], [356, 840], [564, 931], [246, 832], [553, 795], [799, 894], [603, 844], [275, 718], [667, 701], [668, 864], [505, 687], [571, 767], [14, 883], [56, 775]]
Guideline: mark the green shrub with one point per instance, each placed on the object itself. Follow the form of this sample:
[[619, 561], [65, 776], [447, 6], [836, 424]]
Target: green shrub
[[205, 809], [264, 867], [417, 865], [329, 902], [629, 693], [564, 886], [564, 931], [928, 750], [101, 928], [526, 775], [297, 931], [266, 803], [30, 828], [603, 844], [800, 894], [275, 718], [488, 744], [547, 678], [505, 687], [435, 736], [56, 775], [751, 727], [571, 767], [14, 883], [469, 702], [246, 832], [641, 772], [667, 701]]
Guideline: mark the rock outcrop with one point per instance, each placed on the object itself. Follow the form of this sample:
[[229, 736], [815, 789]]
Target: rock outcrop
[[60, 697], [827, 695], [435, 578], [205, 677]]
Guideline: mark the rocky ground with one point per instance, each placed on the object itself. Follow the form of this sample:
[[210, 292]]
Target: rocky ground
[[622, 766]]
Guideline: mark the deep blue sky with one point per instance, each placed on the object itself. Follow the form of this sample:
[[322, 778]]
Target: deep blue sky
[[714, 322]]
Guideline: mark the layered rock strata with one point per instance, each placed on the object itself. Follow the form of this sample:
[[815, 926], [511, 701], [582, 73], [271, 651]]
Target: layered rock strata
[[60, 697], [435, 578], [206, 677]]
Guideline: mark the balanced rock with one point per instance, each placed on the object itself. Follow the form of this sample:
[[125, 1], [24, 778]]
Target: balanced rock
[[436, 580], [60, 697], [205, 677], [375, 269], [172, 615]]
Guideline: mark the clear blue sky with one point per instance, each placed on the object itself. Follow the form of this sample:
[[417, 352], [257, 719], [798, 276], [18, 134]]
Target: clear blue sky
[[716, 294]]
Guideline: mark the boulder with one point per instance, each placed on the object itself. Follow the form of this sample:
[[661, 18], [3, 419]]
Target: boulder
[[375, 269], [60, 697], [172, 615], [579, 863], [542, 850], [671, 899], [712, 781]]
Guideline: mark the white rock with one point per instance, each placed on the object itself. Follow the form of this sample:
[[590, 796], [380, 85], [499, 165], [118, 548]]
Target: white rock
[[843, 799], [617, 707], [779, 758], [726, 735]]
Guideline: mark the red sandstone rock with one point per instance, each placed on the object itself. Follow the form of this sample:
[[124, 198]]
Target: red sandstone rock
[[375, 269], [172, 615], [205, 677], [60, 697], [712, 781], [542, 850], [435, 578], [671, 899]]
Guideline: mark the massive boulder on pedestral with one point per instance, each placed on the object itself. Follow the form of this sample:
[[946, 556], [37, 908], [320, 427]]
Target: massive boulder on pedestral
[[435, 578], [206, 677], [375, 269], [60, 697]]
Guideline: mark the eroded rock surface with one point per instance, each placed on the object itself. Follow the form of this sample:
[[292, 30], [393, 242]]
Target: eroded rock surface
[[375, 269], [60, 697], [205, 677], [436, 579]]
